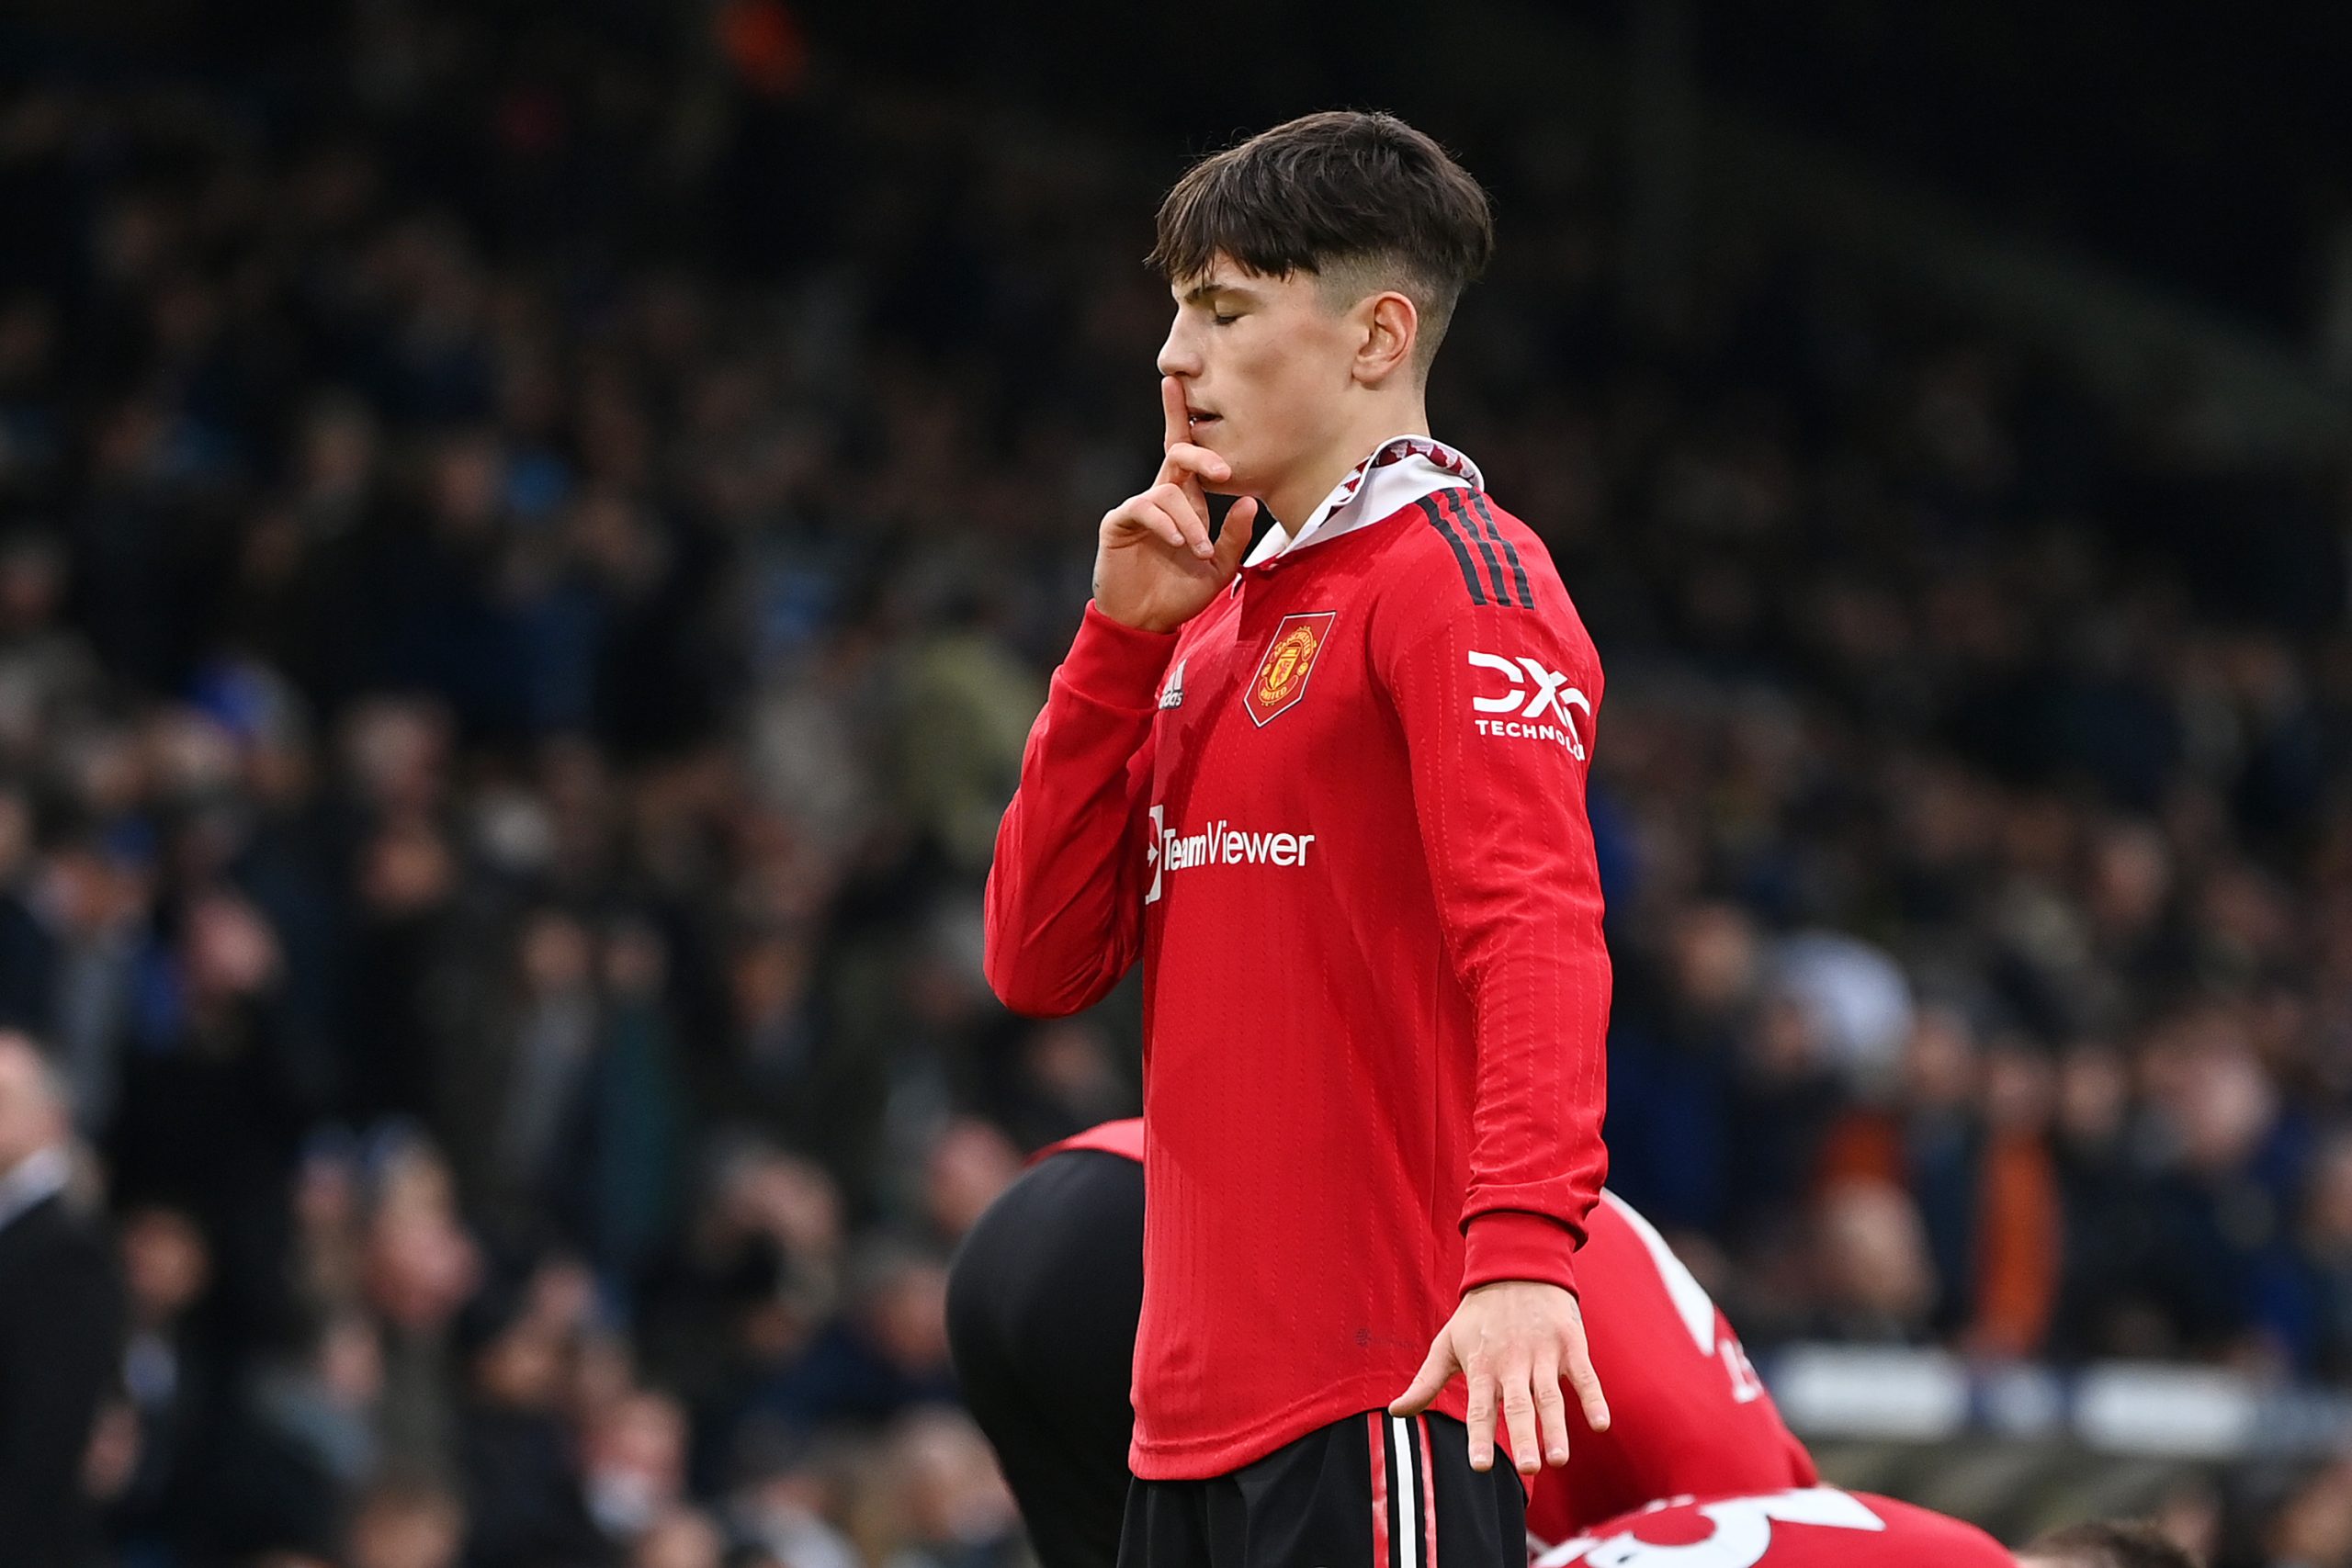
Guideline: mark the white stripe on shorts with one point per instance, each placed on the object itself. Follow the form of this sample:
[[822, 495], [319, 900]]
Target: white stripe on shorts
[[1408, 1518]]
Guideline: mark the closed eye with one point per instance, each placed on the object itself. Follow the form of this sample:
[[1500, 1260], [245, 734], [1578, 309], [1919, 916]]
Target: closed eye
[[1223, 320]]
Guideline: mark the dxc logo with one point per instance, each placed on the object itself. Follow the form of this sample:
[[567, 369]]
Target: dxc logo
[[1535, 691]]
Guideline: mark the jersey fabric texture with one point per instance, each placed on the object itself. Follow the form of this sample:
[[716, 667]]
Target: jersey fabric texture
[[1340, 818], [1815, 1526], [1380, 1490]]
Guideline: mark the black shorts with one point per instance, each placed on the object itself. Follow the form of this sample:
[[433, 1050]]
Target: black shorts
[[1371, 1490], [1042, 1303]]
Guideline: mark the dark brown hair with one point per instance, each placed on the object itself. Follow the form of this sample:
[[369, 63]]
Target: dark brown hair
[[1334, 192], [2109, 1543]]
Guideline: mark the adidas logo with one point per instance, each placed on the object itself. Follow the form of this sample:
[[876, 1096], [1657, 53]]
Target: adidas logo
[[1174, 695]]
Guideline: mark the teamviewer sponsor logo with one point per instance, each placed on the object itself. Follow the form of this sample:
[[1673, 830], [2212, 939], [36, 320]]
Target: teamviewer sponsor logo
[[1219, 843], [1535, 708]]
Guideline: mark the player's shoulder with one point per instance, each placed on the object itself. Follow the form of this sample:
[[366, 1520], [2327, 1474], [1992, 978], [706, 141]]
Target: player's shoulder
[[1457, 555], [1458, 546]]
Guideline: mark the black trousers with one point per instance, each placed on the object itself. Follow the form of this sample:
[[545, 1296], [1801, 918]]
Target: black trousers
[[1043, 1300], [1373, 1489]]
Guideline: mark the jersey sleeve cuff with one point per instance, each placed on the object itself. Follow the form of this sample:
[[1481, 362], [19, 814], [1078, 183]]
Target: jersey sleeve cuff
[[1116, 664], [1510, 1244]]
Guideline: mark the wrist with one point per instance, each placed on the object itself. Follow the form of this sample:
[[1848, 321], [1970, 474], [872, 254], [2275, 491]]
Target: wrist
[[1135, 621], [1503, 1246], [1117, 664]]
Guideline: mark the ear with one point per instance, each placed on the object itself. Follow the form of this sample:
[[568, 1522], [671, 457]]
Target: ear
[[1391, 328]]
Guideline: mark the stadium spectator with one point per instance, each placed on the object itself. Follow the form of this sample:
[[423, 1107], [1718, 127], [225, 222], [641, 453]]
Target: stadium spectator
[[522, 1496], [2305, 1288], [2106, 1544], [680, 1538], [2312, 1523], [174, 1383], [406, 1524], [61, 1321], [1875, 1281]]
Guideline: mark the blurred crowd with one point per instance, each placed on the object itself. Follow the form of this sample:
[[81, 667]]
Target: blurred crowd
[[525, 566]]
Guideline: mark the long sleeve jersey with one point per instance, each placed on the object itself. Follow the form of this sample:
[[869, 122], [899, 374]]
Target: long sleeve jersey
[[1340, 818]]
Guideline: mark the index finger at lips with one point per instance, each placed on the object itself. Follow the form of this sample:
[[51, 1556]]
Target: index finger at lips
[[1171, 404]]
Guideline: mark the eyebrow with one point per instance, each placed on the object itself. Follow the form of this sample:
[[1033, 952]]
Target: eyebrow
[[1209, 288]]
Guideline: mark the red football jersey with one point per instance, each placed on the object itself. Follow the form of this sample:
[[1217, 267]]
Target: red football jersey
[[1816, 1526], [1686, 1412], [1340, 818]]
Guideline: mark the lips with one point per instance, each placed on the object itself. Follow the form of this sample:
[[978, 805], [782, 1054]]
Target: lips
[[1200, 419]]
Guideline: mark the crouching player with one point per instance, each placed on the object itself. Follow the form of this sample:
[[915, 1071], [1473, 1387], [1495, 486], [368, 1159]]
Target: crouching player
[[1042, 1307]]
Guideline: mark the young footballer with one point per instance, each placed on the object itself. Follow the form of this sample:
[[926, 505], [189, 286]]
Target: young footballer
[[1331, 796]]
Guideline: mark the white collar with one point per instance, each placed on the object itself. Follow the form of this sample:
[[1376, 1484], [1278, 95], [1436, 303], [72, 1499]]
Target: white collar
[[38, 1176], [1400, 471]]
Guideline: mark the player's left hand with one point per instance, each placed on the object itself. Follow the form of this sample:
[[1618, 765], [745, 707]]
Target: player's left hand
[[1517, 1340]]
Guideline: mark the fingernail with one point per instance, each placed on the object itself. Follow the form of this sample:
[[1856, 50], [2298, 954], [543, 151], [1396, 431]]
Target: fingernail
[[1560, 1455]]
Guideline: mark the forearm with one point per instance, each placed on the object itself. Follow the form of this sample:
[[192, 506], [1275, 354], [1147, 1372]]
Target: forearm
[[1537, 1161], [1064, 910]]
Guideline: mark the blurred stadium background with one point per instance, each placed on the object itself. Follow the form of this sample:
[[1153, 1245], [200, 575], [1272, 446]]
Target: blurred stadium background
[[531, 535]]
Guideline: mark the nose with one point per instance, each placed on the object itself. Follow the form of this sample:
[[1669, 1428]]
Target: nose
[[1180, 355]]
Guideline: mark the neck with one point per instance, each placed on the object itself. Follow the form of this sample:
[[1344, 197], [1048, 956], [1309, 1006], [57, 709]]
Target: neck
[[1294, 498]]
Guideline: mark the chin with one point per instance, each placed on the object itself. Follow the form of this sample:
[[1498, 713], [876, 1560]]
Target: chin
[[1244, 481]]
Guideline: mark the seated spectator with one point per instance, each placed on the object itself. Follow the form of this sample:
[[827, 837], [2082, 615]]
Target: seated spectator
[[406, 1525], [683, 1538], [886, 1353], [2305, 1287], [633, 1465], [60, 1320], [1874, 1280], [518, 1457]]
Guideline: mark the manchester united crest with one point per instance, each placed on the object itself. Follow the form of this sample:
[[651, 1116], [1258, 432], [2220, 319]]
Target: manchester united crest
[[1289, 659]]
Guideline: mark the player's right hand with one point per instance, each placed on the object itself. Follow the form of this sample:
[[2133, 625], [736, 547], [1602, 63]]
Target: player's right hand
[[1157, 564]]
